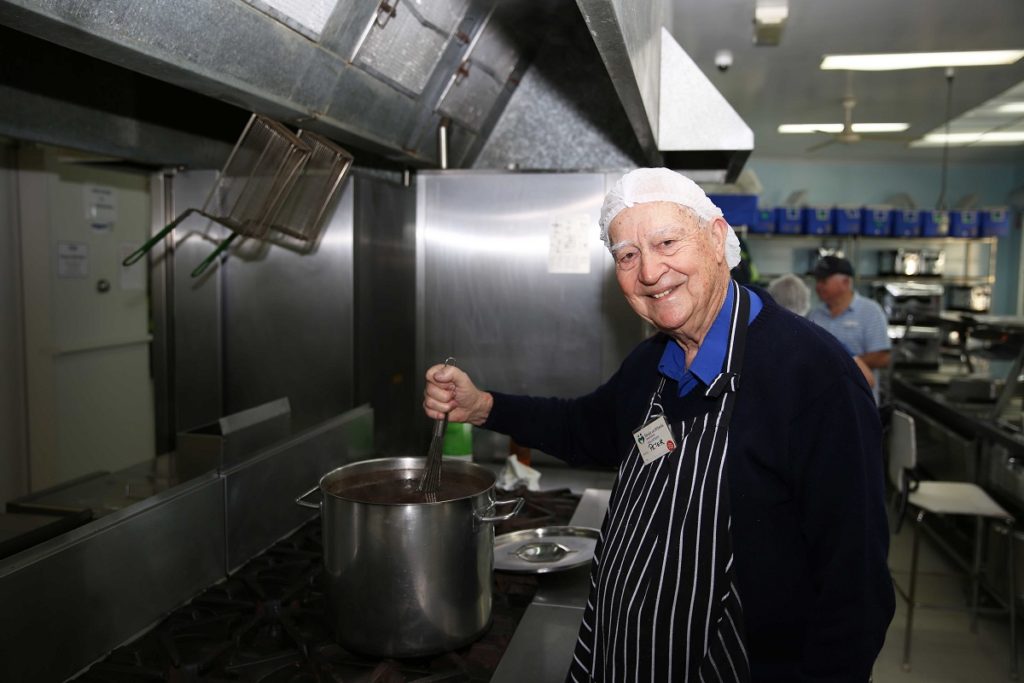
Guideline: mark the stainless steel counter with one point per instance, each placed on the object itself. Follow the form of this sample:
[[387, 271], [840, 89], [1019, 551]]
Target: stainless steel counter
[[541, 648]]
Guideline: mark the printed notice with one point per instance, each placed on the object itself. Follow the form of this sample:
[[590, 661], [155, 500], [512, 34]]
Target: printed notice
[[100, 207], [72, 260], [569, 247]]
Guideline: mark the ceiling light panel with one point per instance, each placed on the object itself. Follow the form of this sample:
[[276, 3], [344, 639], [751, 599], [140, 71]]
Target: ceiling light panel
[[788, 128], [975, 139], [919, 60]]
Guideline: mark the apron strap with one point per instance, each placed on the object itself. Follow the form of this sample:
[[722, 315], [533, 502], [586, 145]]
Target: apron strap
[[729, 378]]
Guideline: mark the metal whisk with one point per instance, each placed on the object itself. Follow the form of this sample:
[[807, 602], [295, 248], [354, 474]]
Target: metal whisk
[[430, 480]]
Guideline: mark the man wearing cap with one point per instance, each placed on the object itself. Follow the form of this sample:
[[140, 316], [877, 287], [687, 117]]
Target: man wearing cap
[[856, 321], [745, 538]]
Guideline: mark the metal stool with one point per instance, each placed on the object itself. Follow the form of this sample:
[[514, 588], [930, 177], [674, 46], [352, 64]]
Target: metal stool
[[946, 498]]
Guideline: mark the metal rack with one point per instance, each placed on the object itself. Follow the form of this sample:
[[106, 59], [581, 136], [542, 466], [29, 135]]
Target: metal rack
[[854, 247]]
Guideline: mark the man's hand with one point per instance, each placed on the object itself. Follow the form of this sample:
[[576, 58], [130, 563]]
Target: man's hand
[[450, 390]]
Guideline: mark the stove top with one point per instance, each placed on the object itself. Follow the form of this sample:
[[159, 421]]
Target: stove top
[[268, 622]]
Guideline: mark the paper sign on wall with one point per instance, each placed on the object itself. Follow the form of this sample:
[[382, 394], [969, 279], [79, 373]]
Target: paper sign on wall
[[569, 246], [100, 207], [72, 260]]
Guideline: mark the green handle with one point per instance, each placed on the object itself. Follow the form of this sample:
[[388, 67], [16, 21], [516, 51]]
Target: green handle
[[212, 257], [144, 249]]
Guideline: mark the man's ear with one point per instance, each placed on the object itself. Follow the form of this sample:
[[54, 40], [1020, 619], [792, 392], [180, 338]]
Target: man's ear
[[719, 231]]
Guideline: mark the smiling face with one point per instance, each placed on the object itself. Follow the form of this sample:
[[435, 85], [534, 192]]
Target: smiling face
[[671, 268]]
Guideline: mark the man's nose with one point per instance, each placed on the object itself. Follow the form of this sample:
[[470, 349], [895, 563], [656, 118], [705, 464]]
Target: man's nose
[[651, 268]]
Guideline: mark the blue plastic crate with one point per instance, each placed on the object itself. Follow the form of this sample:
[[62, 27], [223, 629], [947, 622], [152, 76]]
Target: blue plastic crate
[[934, 223], [906, 223], [846, 221], [876, 221], [817, 220], [788, 220], [995, 221], [739, 209], [765, 223], [963, 223]]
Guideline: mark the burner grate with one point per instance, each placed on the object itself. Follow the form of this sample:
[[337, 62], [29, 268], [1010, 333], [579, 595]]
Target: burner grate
[[268, 623]]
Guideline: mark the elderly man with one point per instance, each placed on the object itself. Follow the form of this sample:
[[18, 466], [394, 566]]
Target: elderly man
[[745, 537], [857, 322]]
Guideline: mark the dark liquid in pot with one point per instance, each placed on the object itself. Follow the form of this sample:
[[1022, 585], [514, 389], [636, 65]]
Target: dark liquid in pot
[[400, 488]]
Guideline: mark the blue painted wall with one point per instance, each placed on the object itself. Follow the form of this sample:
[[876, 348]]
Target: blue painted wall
[[859, 183]]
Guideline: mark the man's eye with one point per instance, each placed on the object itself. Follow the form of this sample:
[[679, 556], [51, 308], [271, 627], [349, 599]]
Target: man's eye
[[626, 259]]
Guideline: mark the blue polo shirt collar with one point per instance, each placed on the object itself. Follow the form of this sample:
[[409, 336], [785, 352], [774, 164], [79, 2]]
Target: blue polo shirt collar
[[711, 354]]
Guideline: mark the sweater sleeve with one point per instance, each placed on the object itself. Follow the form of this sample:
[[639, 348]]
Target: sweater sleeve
[[840, 470], [580, 431]]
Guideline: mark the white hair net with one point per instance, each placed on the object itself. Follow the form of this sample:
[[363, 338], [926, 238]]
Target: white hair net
[[646, 185]]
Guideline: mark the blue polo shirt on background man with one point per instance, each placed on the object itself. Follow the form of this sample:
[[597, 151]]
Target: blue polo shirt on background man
[[856, 321]]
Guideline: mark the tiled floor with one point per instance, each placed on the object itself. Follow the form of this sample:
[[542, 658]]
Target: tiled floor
[[943, 649]]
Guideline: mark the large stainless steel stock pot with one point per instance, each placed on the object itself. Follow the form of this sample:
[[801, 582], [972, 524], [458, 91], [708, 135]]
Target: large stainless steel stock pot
[[406, 577]]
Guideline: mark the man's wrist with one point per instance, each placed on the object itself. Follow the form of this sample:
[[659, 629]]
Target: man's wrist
[[483, 412]]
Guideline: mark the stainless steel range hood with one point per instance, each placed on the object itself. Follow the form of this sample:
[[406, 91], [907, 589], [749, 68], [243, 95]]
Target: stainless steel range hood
[[679, 117], [378, 77]]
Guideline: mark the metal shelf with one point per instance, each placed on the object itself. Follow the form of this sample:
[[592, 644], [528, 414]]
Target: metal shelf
[[855, 245]]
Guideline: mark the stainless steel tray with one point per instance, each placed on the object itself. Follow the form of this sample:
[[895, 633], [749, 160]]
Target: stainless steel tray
[[544, 550]]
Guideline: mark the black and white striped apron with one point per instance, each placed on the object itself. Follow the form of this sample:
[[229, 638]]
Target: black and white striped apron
[[663, 600]]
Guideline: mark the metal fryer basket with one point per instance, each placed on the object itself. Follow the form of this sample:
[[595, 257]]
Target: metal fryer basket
[[251, 188], [306, 207]]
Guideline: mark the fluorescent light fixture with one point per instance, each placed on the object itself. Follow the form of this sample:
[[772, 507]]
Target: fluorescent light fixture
[[838, 127], [997, 137], [919, 60], [1012, 108]]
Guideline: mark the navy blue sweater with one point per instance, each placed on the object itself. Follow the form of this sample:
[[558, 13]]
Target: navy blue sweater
[[805, 471]]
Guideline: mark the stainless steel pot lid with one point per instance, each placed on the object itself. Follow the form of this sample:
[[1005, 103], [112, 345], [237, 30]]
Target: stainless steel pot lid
[[546, 549]]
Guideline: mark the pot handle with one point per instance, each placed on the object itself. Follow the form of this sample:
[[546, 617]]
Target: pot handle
[[301, 500], [501, 518]]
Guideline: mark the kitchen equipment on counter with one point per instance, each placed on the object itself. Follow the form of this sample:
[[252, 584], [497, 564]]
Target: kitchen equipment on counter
[[405, 577], [917, 346], [974, 389], [974, 298], [430, 479], [545, 549], [923, 261], [918, 301]]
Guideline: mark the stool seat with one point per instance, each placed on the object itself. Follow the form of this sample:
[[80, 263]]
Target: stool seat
[[955, 498]]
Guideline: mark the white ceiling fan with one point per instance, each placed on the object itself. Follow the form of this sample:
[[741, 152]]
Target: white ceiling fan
[[852, 133]]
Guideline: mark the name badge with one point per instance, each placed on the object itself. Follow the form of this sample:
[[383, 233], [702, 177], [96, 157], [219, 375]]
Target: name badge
[[654, 439]]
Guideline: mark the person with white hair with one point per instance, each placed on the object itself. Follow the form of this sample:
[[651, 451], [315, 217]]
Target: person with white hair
[[746, 536], [789, 291]]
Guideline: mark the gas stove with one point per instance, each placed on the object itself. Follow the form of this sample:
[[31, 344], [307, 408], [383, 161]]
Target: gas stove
[[268, 622]]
